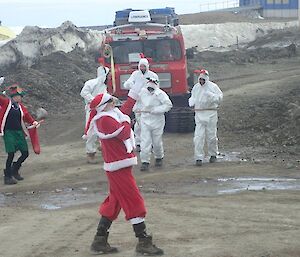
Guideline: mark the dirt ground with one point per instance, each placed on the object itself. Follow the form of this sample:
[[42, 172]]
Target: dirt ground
[[246, 205]]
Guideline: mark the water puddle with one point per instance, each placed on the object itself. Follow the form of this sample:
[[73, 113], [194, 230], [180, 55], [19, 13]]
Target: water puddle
[[229, 157], [257, 184], [54, 200], [68, 197], [2, 200], [50, 207], [222, 186]]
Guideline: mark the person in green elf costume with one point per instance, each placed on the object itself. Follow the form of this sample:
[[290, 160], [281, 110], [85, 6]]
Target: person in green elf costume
[[13, 116]]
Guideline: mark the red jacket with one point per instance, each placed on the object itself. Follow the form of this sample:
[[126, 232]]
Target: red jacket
[[114, 151], [5, 105]]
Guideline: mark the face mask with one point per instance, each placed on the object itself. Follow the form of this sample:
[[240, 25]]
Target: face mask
[[202, 81], [150, 89]]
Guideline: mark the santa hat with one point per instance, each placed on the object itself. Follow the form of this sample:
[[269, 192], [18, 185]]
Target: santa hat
[[97, 105], [100, 101], [204, 75], [14, 90]]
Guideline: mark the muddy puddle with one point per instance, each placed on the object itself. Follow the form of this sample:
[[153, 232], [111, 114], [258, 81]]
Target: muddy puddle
[[68, 197], [221, 157], [54, 200], [221, 186]]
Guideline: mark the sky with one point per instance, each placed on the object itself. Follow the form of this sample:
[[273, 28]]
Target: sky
[[51, 13]]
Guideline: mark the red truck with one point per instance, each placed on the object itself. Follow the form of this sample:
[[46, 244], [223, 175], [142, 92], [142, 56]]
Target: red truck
[[136, 32]]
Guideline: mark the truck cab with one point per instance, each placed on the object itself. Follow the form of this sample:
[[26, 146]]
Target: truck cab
[[137, 32]]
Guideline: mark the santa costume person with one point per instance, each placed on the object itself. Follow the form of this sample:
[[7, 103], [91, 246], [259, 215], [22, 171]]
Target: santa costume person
[[113, 128]]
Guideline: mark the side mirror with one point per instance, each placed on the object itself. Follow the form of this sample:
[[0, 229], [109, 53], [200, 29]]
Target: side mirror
[[190, 53]]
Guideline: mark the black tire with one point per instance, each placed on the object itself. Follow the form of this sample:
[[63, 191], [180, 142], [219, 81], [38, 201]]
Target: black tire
[[180, 120]]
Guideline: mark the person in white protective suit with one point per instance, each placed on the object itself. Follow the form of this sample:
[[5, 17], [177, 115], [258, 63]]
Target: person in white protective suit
[[139, 76], [205, 98], [92, 88], [154, 103]]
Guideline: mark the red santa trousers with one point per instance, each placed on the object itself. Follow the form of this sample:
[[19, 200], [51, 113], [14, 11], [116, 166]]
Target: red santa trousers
[[123, 194]]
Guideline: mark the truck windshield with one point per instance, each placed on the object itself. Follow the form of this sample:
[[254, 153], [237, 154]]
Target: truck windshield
[[159, 50]]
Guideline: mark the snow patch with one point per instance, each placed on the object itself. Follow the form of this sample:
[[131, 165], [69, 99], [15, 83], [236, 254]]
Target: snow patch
[[34, 42], [207, 36]]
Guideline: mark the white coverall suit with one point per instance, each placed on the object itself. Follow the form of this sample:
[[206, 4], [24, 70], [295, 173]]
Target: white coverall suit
[[205, 99], [138, 77], [153, 107], [90, 89]]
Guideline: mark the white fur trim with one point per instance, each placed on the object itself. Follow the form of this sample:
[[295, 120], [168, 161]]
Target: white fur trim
[[105, 98], [100, 107], [130, 142], [107, 136], [137, 220], [116, 114], [22, 123], [5, 116], [120, 117], [116, 165]]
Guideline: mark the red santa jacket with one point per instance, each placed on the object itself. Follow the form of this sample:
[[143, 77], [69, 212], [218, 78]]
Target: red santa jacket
[[114, 151], [5, 106]]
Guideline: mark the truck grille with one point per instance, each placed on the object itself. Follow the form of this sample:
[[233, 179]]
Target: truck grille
[[164, 80]]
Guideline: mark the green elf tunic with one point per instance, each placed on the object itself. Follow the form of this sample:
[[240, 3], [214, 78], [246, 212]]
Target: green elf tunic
[[14, 138]]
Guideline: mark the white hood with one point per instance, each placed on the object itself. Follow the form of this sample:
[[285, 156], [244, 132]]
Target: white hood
[[145, 62], [102, 73]]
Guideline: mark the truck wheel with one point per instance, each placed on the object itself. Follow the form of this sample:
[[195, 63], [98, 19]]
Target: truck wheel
[[180, 120]]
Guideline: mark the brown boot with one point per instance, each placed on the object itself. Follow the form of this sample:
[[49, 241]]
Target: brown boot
[[8, 179], [91, 158], [101, 246], [15, 171], [145, 246]]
